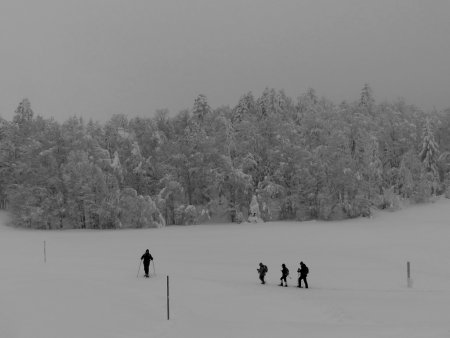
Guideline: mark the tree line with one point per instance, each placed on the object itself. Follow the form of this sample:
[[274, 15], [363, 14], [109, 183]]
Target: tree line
[[299, 159]]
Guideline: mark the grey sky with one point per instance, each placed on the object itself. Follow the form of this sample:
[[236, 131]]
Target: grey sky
[[96, 58]]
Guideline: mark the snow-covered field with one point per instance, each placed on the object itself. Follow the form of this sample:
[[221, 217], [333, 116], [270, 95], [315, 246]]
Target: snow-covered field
[[88, 286]]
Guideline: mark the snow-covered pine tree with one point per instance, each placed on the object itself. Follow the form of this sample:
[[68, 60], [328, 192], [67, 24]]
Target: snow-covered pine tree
[[255, 211], [201, 108], [429, 156], [373, 168], [6, 167], [405, 183], [245, 106], [429, 153], [367, 101], [24, 113]]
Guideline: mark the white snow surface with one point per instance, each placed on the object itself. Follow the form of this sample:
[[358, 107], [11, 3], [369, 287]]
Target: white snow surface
[[89, 287]]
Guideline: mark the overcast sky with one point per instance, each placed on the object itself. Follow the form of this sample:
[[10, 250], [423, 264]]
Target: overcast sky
[[96, 58]]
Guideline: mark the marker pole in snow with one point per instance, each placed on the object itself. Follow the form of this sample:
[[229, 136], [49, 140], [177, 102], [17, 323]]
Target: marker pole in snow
[[408, 274], [168, 313], [45, 254]]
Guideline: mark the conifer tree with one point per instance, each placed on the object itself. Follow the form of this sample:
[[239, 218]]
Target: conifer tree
[[429, 157], [430, 150], [366, 100], [24, 113], [246, 106], [201, 108]]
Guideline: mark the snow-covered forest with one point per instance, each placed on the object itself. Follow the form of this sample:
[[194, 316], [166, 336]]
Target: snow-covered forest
[[282, 158]]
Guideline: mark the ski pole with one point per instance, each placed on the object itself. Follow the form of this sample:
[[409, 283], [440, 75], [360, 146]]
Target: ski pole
[[154, 272], [140, 262]]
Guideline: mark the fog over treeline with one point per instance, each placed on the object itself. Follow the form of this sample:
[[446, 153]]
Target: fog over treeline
[[270, 157]]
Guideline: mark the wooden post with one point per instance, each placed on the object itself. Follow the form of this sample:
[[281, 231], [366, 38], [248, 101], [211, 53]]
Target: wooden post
[[168, 313], [45, 254]]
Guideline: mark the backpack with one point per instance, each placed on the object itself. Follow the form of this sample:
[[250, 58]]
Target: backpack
[[306, 270], [263, 269]]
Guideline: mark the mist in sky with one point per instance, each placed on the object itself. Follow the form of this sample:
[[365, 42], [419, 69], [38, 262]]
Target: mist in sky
[[96, 58]]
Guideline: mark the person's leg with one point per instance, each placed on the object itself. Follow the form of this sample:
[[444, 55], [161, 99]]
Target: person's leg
[[146, 266], [304, 280]]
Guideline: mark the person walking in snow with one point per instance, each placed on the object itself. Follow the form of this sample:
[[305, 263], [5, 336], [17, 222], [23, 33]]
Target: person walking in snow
[[262, 272], [284, 275], [303, 272], [146, 258]]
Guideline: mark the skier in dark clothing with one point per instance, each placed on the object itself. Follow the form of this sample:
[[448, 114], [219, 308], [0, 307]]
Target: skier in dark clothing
[[284, 274], [303, 272], [262, 272], [146, 258]]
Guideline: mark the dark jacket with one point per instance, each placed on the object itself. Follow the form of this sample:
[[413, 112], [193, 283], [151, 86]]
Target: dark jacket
[[147, 257], [303, 270], [262, 270]]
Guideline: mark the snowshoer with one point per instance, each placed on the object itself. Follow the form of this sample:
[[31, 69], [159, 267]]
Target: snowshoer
[[303, 272], [284, 274], [146, 258], [262, 272]]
